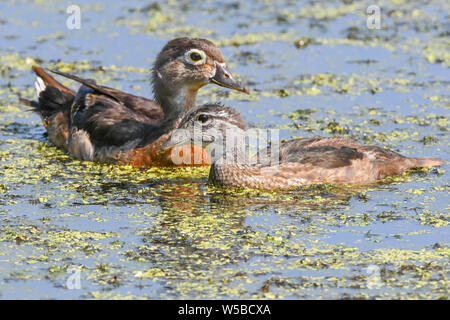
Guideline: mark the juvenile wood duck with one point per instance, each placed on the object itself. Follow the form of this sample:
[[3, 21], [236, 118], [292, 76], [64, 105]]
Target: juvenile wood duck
[[336, 160], [98, 123]]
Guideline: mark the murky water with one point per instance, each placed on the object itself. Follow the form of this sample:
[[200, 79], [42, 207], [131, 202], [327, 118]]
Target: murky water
[[167, 234]]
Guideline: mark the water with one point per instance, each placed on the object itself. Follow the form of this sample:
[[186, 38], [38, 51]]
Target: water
[[161, 233]]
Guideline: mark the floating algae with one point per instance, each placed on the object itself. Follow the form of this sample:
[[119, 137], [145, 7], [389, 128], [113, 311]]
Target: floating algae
[[315, 69]]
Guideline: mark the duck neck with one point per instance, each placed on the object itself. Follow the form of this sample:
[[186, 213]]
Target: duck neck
[[231, 167], [258, 171], [234, 175], [173, 99]]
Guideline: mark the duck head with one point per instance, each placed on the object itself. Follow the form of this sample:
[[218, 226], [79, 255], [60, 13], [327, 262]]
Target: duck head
[[210, 126], [185, 65]]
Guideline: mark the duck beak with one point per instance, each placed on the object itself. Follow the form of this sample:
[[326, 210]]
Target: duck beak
[[224, 78], [178, 138]]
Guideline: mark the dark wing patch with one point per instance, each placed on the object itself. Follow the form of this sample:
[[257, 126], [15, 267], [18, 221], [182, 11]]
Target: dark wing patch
[[118, 134], [148, 108], [323, 156], [108, 122], [52, 101]]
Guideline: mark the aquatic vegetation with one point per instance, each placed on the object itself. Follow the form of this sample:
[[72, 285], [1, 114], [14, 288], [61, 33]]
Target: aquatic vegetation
[[314, 69]]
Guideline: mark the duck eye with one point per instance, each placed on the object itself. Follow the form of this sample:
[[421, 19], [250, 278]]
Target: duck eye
[[203, 118], [195, 56]]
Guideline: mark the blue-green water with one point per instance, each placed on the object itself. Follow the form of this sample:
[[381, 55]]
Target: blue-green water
[[166, 233]]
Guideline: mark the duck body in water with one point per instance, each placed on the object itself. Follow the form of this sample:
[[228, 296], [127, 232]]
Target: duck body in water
[[335, 160], [102, 124]]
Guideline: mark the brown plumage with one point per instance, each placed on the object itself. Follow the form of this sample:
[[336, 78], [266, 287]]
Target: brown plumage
[[299, 162], [103, 124]]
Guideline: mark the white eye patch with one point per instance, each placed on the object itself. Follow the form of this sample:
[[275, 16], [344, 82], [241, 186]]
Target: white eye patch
[[195, 56]]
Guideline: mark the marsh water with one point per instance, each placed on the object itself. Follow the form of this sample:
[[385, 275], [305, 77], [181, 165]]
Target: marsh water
[[314, 68]]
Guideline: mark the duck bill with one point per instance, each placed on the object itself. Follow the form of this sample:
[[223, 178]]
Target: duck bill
[[179, 138], [224, 78]]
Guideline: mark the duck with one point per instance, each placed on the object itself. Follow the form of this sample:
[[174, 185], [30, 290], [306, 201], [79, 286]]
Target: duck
[[293, 163], [102, 124]]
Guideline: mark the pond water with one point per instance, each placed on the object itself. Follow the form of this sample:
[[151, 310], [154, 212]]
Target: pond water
[[314, 68]]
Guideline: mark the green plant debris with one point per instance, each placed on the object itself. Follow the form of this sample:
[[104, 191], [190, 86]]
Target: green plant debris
[[313, 69]]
